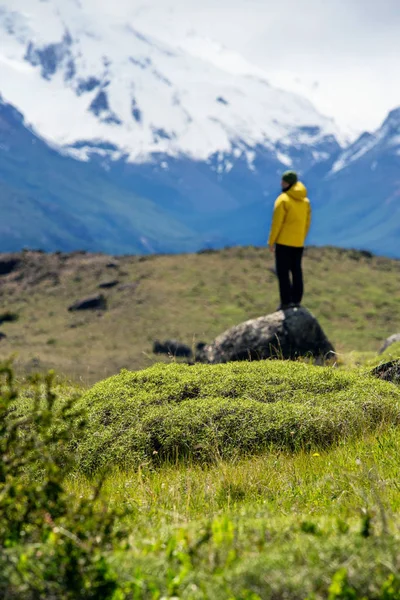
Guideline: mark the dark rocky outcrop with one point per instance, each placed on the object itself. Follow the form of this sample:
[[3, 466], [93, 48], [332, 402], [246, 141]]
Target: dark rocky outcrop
[[2, 336], [393, 339], [105, 285], [172, 347], [284, 334], [389, 371], [91, 303]]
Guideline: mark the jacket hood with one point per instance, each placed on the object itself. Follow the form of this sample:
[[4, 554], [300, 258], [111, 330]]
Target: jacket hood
[[298, 191]]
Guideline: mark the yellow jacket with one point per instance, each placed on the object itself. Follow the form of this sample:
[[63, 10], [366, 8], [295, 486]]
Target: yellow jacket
[[292, 217]]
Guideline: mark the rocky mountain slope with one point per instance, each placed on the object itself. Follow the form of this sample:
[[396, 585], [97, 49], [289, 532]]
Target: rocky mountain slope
[[51, 201], [358, 201]]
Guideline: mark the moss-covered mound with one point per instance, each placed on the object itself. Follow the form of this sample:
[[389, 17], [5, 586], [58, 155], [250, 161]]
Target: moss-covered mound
[[392, 352], [209, 412]]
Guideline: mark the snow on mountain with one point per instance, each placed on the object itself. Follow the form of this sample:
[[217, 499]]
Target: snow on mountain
[[385, 138], [86, 76], [357, 202]]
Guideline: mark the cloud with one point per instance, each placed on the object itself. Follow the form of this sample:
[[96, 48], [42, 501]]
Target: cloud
[[343, 54]]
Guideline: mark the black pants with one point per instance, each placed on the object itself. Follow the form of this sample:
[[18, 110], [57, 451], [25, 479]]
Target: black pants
[[288, 262]]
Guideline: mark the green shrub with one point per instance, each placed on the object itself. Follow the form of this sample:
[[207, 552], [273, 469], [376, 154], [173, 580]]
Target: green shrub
[[210, 412], [53, 545]]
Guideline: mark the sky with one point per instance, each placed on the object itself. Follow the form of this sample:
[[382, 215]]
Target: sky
[[344, 55]]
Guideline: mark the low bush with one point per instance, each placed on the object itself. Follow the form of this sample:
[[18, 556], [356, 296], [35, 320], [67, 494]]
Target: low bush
[[53, 544], [211, 412]]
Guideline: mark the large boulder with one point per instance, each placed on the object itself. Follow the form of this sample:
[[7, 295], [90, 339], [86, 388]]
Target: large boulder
[[284, 334], [393, 339]]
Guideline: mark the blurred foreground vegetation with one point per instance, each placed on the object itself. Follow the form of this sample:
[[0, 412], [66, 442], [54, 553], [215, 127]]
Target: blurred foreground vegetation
[[313, 519]]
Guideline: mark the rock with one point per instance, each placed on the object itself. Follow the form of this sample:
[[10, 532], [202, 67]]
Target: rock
[[112, 265], [2, 336], [284, 334], [91, 303], [388, 372], [200, 346], [393, 339], [108, 284], [172, 347], [8, 317], [9, 263]]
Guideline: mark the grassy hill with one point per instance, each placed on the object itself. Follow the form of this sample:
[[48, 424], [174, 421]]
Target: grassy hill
[[191, 297]]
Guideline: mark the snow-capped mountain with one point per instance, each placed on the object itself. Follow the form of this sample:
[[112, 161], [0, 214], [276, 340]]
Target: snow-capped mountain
[[372, 145], [357, 201], [121, 134], [85, 75]]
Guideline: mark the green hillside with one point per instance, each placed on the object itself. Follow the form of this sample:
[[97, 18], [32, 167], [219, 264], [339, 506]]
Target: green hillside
[[191, 298]]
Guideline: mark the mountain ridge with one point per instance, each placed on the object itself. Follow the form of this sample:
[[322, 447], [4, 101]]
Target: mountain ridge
[[143, 146], [108, 81]]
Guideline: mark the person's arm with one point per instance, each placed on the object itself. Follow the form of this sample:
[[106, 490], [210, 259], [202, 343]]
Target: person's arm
[[309, 214], [277, 221]]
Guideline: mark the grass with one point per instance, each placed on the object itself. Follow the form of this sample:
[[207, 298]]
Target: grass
[[188, 297], [348, 475], [391, 353], [368, 360], [203, 412], [247, 481], [245, 520], [277, 526]]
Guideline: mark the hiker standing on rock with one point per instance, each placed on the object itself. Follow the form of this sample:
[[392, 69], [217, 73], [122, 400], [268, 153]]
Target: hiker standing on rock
[[290, 226]]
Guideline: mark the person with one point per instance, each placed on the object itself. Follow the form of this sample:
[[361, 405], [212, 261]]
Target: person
[[290, 225]]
